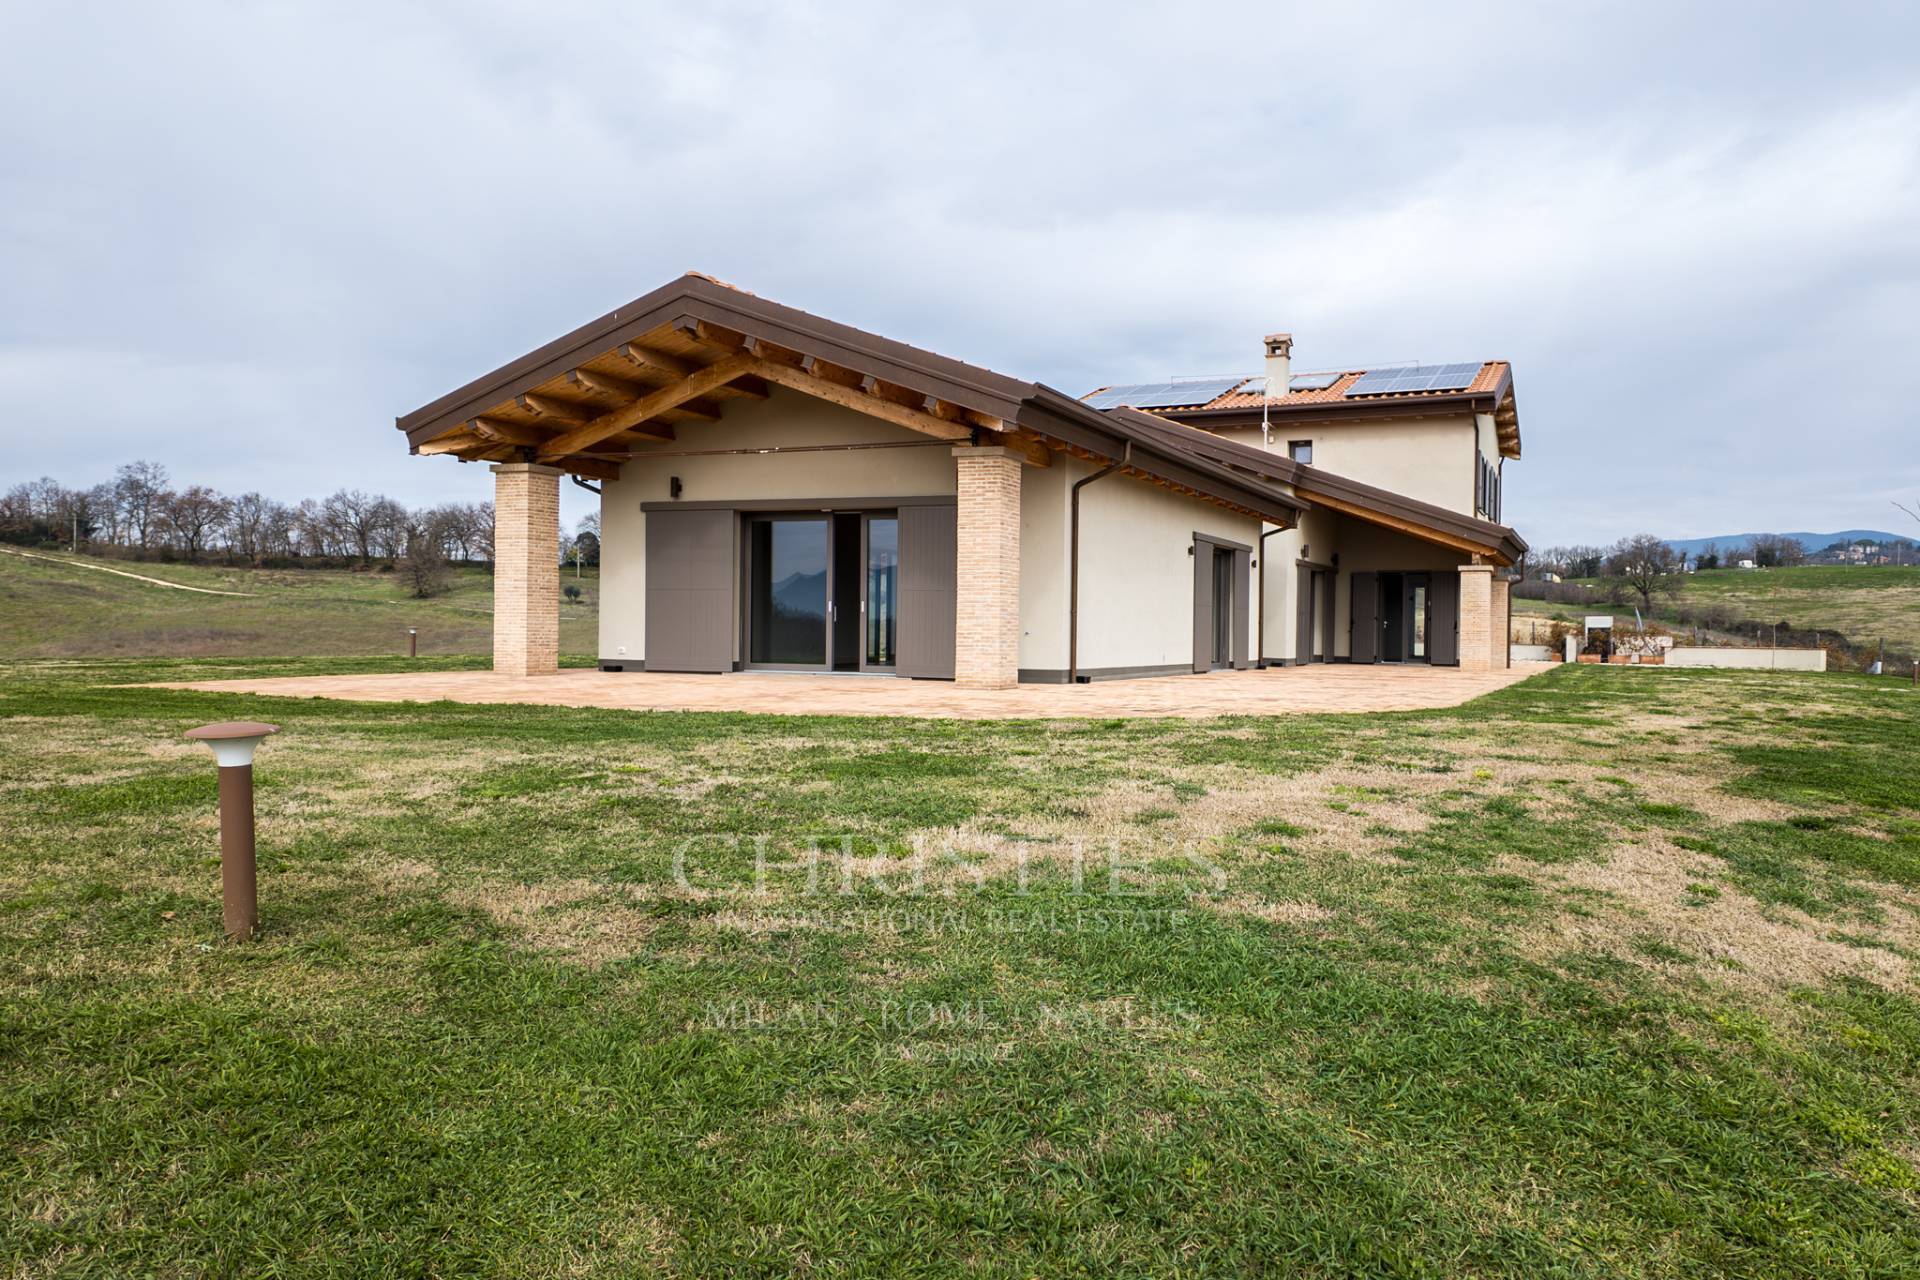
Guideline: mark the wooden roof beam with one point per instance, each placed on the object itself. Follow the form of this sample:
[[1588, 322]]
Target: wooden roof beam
[[630, 417], [452, 442], [501, 432], [559, 410], [859, 401]]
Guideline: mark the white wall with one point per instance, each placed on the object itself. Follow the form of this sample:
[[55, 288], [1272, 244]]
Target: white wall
[[1429, 459], [1136, 576], [810, 479], [1750, 659], [1044, 538]]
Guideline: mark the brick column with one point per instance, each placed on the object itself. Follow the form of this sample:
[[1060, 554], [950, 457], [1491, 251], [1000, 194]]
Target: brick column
[[1502, 621], [526, 569], [1476, 618], [986, 642]]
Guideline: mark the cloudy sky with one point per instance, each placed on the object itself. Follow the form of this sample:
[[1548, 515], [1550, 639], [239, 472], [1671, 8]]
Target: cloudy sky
[[240, 238]]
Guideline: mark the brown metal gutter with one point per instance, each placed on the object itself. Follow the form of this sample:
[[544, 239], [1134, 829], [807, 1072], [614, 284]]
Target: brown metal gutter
[[1073, 560]]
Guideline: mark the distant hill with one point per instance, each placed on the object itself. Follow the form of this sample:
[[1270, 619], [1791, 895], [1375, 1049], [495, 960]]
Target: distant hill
[[1812, 541]]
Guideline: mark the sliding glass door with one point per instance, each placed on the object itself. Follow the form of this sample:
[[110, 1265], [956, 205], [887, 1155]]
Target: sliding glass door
[[823, 591], [787, 591], [881, 601]]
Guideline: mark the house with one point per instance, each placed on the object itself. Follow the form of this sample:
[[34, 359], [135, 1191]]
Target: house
[[780, 491]]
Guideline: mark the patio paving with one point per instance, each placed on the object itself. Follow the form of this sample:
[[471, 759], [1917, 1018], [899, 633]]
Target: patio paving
[[1275, 691]]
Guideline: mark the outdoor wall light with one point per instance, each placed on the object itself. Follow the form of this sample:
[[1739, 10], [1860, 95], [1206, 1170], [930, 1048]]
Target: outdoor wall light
[[233, 744], [673, 486]]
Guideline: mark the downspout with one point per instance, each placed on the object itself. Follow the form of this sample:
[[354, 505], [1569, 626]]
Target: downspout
[[1073, 560], [1260, 631]]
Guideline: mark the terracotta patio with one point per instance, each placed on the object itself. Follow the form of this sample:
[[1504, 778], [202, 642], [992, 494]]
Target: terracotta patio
[[1276, 691]]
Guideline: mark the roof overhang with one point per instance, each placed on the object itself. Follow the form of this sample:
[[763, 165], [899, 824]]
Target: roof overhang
[[1423, 520], [587, 400]]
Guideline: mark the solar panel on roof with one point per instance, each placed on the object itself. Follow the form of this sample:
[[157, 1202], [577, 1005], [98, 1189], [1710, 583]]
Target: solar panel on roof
[[1192, 391], [1419, 377], [1162, 395], [1312, 381]]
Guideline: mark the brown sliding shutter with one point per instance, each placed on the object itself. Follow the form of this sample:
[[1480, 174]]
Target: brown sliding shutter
[[1242, 580], [1443, 626], [1364, 617], [690, 571], [928, 554], [1303, 614], [1202, 605]]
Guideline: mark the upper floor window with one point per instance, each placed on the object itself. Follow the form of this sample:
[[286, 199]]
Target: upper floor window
[[1301, 451]]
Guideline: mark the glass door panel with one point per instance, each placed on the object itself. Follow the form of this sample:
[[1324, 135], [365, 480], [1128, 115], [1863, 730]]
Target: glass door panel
[[883, 586], [1420, 620], [787, 622]]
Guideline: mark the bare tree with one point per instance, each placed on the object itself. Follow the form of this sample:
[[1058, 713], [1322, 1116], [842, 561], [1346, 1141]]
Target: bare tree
[[192, 515], [247, 517], [355, 519], [138, 488], [1645, 565]]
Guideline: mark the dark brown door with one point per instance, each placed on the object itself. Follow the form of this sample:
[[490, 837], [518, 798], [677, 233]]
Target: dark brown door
[[1443, 626], [1365, 618], [1303, 613], [928, 574], [690, 568]]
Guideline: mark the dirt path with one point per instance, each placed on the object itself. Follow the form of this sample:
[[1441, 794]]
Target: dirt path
[[137, 577]]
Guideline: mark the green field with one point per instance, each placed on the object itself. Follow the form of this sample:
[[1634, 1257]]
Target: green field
[[74, 609], [1864, 603], [1609, 974]]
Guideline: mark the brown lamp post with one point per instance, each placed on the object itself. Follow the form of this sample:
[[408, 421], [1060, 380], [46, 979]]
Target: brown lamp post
[[413, 642], [233, 743]]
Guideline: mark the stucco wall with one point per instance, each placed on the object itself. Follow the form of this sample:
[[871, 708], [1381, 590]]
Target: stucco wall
[[1044, 535], [810, 479], [1429, 459], [1136, 576]]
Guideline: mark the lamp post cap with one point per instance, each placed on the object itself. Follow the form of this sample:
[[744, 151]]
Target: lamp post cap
[[232, 729]]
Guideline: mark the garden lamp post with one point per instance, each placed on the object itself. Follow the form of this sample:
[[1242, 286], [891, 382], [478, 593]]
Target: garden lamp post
[[413, 642], [233, 743]]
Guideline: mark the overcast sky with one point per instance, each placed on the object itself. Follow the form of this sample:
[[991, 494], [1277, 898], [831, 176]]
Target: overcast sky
[[239, 239]]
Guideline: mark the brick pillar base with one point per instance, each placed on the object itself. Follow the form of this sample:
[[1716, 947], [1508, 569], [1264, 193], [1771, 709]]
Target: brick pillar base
[[986, 641], [526, 569], [1476, 618], [1502, 614]]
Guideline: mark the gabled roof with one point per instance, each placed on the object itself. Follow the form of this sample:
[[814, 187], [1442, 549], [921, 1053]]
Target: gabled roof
[[628, 373], [1490, 391], [692, 325]]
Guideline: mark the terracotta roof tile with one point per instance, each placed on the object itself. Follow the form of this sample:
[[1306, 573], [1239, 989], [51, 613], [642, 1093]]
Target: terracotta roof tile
[[1487, 379]]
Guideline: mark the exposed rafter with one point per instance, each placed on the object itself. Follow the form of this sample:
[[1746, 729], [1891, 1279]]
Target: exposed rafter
[[558, 410], [632, 416], [873, 406]]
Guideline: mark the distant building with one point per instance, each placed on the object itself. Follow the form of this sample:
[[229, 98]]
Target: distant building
[[1744, 564]]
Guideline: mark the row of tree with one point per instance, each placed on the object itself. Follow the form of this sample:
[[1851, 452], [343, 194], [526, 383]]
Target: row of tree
[[1767, 551], [142, 512]]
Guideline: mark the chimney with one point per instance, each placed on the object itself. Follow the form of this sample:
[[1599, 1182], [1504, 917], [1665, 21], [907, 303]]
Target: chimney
[[1279, 363]]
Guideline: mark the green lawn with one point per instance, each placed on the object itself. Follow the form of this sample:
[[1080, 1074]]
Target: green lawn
[[1608, 974], [74, 609]]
